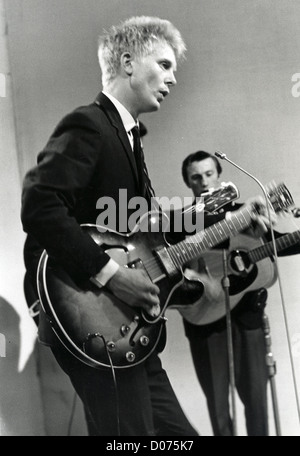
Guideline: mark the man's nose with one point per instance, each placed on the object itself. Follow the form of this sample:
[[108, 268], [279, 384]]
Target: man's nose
[[204, 182], [171, 80]]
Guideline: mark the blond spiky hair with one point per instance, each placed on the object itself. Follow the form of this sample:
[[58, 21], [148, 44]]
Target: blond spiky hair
[[136, 35]]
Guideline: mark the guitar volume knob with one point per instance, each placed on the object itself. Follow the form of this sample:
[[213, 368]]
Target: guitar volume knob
[[111, 346], [130, 356], [144, 340], [124, 329]]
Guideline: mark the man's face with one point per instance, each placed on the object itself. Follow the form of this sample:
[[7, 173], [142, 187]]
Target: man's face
[[152, 77], [202, 176]]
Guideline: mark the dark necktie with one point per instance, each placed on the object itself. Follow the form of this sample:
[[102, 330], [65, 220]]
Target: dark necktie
[[137, 150], [144, 180]]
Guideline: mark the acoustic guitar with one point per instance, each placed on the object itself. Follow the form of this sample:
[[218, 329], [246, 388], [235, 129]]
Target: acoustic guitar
[[251, 266]]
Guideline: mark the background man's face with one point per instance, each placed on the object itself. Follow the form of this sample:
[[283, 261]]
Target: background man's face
[[202, 176]]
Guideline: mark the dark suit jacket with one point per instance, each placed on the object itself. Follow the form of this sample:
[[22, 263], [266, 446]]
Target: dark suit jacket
[[88, 156]]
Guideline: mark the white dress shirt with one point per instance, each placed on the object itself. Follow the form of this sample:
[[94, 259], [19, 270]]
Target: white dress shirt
[[112, 266]]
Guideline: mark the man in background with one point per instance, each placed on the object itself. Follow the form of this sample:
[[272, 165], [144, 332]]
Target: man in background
[[201, 172]]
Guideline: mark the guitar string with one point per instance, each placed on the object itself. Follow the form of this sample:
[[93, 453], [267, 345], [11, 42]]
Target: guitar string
[[181, 252], [176, 251], [200, 243], [282, 243]]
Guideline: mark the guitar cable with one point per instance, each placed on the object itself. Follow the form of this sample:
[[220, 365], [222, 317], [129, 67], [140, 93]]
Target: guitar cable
[[115, 386], [223, 156], [72, 414], [89, 337]]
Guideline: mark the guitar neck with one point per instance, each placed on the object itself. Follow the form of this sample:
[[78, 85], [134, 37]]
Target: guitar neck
[[267, 250], [194, 246]]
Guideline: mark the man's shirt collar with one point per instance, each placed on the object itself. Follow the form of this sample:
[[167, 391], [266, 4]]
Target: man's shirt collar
[[127, 119]]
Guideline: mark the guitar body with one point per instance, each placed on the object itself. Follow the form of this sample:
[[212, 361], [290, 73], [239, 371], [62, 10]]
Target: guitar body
[[94, 325], [211, 305]]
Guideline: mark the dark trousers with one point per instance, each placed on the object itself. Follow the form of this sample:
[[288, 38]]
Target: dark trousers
[[210, 356], [144, 403]]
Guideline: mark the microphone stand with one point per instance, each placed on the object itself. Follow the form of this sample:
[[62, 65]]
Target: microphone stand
[[271, 365], [223, 156], [226, 286]]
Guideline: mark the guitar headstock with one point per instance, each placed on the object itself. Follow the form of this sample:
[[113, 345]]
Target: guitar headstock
[[214, 199], [279, 197]]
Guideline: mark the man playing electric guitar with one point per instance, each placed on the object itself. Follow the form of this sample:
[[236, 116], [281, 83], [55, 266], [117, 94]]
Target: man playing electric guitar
[[95, 155], [208, 342]]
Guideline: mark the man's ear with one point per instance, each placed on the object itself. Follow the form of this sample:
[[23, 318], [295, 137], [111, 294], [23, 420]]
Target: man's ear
[[126, 63]]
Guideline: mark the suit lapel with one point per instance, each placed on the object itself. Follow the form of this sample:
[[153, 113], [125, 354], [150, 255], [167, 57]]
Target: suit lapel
[[115, 119]]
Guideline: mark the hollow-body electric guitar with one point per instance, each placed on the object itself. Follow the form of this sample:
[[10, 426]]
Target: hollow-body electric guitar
[[98, 328]]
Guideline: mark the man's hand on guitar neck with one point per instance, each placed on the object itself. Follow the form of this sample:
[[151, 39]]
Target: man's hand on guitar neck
[[134, 287], [261, 222]]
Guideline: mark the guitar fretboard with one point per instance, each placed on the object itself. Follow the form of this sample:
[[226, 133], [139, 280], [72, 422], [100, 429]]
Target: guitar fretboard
[[192, 247], [267, 250]]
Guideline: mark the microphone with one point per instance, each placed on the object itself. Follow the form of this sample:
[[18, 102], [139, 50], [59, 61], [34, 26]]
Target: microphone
[[296, 212], [223, 156], [220, 155]]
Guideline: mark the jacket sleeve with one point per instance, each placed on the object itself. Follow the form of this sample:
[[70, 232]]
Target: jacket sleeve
[[50, 191]]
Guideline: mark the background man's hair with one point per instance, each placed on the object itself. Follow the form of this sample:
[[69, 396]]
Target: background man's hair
[[198, 156], [136, 35]]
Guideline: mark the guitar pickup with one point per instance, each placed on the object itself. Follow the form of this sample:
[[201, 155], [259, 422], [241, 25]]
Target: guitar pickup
[[239, 263]]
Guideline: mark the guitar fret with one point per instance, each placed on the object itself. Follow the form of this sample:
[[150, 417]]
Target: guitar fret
[[193, 246], [211, 242], [254, 255], [223, 227], [209, 238], [203, 245], [176, 256], [288, 240], [192, 249], [189, 251], [282, 243], [239, 221], [215, 236]]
